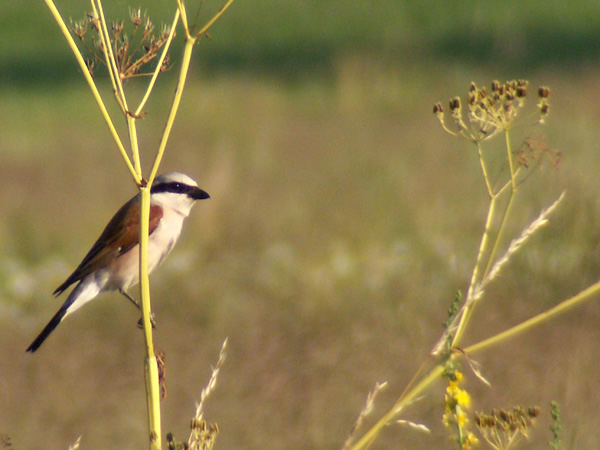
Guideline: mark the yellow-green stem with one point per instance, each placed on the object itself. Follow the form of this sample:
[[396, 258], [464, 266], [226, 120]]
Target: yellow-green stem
[[484, 170], [406, 398], [409, 396], [476, 277], [150, 366], [507, 211], [219, 13], [133, 140], [111, 62], [587, 294], [159, 64], [501, 232], [86, 73], [115, 76], [184, 21], [185, 64], [485, 263], [150, 363], [511, 160]]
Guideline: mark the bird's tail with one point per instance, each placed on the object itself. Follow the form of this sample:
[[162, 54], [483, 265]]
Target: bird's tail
[[85, 291], [49, 328]]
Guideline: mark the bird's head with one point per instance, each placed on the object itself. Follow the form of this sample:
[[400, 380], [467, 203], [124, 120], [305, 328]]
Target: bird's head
[[176, 191]]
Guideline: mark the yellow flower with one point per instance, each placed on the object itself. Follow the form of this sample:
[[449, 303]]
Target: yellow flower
[[461, 418], [470, 441], [463, 399], [459, 376]]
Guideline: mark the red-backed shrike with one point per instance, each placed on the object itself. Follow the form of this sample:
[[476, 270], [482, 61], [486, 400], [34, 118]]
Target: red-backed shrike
[[113, 261]]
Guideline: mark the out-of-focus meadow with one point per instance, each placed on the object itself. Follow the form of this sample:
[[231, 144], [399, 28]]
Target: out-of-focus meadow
[[343, 219]]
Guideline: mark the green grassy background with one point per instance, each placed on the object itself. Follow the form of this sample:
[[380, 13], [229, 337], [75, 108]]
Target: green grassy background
[[342, 221]]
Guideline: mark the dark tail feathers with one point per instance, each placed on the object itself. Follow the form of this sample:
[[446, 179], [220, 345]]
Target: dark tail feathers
[[49, 328]]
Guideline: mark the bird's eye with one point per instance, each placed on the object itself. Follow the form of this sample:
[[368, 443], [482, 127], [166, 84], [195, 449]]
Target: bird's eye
[[174, 187]]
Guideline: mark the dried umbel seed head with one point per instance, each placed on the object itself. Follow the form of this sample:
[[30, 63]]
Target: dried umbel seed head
[[454, 104], [136, 17], [522, 83], [93, 21], [117, 27], [148, 27], [90, 65], [517, 418], [488, 113], [132, 50], [165, 64], [438, 108], [472, 98], [165, 30], [543, 92], [79, 28]]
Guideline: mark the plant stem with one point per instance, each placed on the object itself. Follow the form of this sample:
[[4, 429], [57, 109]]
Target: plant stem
[[111, 62], [86, 73], [150, 365], [476, 277], [210, 23], [115, 76], [190, 40], [159, 64], [587, 294], [150, 362], [508, 209], [484, 170], [405, 399], [485, 263], [185, 64]]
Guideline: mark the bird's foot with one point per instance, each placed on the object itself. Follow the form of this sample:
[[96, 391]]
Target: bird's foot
[[140, 323]]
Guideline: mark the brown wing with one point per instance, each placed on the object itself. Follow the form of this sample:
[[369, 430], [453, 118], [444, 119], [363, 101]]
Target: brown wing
[[120, 235]]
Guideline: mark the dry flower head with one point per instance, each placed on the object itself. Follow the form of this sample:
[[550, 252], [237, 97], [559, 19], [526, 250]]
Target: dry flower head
[[503, 429], [134, 43], [488, 113]]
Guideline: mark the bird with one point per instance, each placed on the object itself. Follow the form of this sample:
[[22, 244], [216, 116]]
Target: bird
[[112, 264]]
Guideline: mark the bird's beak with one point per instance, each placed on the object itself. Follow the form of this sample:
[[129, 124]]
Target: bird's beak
[[199, 194]]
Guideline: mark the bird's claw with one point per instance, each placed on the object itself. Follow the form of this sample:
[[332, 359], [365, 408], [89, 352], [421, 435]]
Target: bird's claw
[[140, 323]]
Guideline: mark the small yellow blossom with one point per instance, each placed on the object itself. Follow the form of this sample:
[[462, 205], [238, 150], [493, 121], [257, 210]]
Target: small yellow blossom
[[461, 418], [470, 441], [463, 399], [457, 402]]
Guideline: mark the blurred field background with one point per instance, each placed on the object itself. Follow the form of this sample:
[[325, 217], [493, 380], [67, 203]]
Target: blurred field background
[[341, 224]]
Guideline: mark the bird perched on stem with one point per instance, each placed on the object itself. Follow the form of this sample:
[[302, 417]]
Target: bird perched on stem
[[113, 261]]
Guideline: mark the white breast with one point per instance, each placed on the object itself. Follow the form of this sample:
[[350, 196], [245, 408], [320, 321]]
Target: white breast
[[124, 271], [164, 237]]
